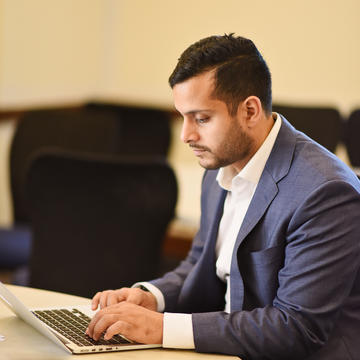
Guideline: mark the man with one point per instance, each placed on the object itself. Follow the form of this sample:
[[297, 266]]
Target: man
[[273, 272]]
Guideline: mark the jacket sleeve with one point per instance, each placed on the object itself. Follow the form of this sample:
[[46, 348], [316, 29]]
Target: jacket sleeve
[[322, 258], [171, 283]]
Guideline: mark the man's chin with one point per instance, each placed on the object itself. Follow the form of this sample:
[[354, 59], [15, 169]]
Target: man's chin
[[209, 166]]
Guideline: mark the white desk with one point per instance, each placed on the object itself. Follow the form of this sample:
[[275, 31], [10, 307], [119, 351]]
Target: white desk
[[22, 342]]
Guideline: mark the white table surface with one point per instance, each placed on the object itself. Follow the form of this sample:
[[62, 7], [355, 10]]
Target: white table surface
[[22, 342]]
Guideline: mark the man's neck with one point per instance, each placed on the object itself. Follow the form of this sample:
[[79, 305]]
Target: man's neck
[[261, 134]]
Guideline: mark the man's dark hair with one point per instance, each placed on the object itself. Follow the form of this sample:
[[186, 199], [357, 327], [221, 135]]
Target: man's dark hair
[[240, 70]]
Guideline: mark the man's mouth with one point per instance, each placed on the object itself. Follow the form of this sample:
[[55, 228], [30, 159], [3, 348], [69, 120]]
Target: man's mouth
[[198, 150]]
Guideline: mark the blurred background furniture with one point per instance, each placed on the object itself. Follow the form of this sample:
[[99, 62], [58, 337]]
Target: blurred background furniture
[[352, 138], [144, 130], [323, 124], [98, 221], [96, 128], [73, 129]]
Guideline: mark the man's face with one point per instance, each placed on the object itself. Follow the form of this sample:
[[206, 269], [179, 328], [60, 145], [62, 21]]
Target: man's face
[[217, 138]]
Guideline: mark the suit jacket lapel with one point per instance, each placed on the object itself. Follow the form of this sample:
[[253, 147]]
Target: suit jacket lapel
[[264, 194], [277, 166], [214, 216]]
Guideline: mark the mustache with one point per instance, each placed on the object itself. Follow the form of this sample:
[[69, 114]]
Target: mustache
[[198, 147]]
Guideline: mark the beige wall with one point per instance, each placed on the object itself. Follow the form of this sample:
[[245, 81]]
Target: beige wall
[[50, 51], [66, 51], [312, 47]]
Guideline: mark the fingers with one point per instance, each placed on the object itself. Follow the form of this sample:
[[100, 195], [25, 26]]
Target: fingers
[[104, 319], [95, 301], [132, 295], [100, 323], [119, 327], [108, 297], [132, 321]]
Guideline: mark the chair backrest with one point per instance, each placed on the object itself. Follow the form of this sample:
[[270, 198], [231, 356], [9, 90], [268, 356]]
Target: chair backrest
[[98, 222], [352, 138], [77, 130], [98, 128], [323, 124], [144, 130]]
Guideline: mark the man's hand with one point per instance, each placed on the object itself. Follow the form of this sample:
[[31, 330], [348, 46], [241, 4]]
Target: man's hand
[[130, 295], [133, 321]]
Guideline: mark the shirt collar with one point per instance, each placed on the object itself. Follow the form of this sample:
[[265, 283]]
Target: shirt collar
[[253, 169]]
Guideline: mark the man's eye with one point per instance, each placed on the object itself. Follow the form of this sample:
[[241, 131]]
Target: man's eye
[[202, 120]]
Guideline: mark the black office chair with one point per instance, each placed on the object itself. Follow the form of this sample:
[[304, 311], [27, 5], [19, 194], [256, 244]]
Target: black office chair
[[351, 138], [322, 124], [98, 222], [74, 129]]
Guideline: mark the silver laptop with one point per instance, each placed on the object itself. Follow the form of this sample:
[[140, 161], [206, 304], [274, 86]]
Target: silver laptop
[[65, 326]]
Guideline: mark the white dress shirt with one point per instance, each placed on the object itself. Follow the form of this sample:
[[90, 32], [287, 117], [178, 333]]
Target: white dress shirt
[[178, 330]]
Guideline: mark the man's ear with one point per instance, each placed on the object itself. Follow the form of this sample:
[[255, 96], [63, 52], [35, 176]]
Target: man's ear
[[252, 109]]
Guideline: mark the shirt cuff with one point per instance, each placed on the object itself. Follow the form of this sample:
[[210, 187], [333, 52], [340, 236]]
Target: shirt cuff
[[156, 292], [178, 331]]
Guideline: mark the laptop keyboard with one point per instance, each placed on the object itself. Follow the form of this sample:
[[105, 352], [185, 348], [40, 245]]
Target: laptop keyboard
[[72, 325]]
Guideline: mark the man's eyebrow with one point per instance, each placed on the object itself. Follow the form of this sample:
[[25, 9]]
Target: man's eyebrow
[[192, 112]]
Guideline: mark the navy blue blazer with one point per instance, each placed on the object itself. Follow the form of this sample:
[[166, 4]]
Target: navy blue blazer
[[295, 285]]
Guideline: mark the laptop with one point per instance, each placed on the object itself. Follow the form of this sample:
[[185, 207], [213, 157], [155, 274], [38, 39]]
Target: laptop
[[65, 326]]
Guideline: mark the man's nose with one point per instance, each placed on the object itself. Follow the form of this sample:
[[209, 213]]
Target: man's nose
[[188, 132]]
